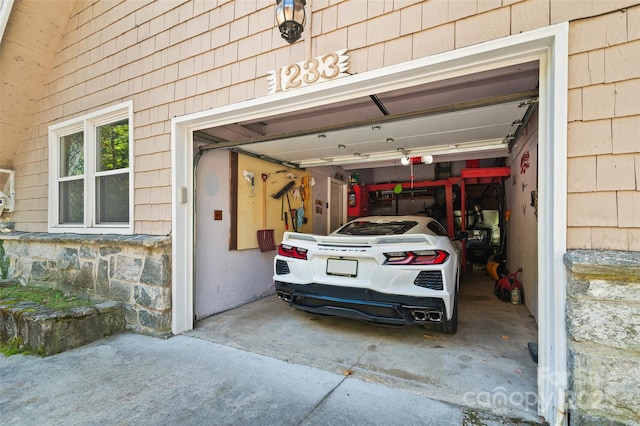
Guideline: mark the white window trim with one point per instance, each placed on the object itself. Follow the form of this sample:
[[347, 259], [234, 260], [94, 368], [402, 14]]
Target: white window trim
[[87, 123]]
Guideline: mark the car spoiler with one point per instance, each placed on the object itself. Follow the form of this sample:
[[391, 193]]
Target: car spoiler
[[359, 241]]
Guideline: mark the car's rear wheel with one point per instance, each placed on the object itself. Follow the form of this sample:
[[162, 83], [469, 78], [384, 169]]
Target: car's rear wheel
[[447, 327]]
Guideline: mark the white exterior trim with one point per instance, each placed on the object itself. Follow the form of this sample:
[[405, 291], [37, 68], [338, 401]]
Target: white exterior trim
[[552, 229], [549, 45], [5, 11]]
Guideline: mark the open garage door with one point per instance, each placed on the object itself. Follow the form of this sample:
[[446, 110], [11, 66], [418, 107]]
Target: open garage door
[[451, 161], [378, 139], [470, 117], [313, 114]]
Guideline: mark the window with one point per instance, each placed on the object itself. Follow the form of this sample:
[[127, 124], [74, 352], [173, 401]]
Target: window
[[395, 227], [437, 228], [90, 174]]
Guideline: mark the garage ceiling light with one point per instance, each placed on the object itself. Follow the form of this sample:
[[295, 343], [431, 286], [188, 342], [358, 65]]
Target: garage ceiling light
[[405, 159]]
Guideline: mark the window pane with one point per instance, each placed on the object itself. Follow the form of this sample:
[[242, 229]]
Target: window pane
[[72, 155], [72, 201], [112, 198], [437, 228], [377, 228], [113, 146]]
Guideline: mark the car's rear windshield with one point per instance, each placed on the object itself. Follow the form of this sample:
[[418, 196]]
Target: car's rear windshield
[[377, 228]]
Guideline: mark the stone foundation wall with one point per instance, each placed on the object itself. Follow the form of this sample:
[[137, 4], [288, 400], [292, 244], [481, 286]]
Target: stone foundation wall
[[603, 324], [134, 270]]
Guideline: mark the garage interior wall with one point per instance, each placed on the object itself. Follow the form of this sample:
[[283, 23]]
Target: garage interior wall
[[216, 266], [522, 227]]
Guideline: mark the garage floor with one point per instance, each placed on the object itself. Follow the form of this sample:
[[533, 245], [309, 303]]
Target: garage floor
[[485, 365]]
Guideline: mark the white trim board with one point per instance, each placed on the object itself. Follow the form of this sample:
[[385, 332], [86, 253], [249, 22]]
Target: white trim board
[[549, 45]]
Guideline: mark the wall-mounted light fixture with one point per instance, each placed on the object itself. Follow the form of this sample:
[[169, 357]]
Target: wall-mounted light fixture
[[291, 18]]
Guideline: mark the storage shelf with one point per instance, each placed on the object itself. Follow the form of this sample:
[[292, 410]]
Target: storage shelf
[[470, 176], [484, 175]]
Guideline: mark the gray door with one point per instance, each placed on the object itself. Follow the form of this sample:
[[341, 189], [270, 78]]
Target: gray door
[[336, 205]]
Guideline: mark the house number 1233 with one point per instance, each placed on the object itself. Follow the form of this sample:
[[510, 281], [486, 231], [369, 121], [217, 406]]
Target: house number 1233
[[311, 71]]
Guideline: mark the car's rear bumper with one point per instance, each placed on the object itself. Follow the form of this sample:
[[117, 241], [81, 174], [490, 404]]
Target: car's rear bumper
[[362, 304]]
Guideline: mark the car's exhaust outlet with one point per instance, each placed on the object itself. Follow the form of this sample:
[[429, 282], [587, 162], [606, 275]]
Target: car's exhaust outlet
[[283, 295], [435, 316], [419, 316], [427, 315]]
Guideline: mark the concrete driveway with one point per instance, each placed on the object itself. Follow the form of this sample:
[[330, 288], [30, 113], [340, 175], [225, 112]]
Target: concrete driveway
[[273, 365], [485, 365]]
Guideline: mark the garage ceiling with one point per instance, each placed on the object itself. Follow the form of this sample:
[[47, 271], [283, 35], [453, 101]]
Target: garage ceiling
[[469, 117]]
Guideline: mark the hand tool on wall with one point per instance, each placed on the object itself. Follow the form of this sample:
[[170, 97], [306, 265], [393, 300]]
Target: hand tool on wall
[[284, 189], [305, 191], [294, 222], [266, 240]]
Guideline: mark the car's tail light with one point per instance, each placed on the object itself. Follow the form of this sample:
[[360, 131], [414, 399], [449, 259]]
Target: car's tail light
[[418, 257], [291, 251]]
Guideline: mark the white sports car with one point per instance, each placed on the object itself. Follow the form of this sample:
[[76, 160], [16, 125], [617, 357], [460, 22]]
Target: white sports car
[[382, 269]]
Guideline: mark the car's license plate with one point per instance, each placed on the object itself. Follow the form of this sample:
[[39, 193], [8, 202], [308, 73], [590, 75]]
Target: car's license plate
[[343, 267]]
